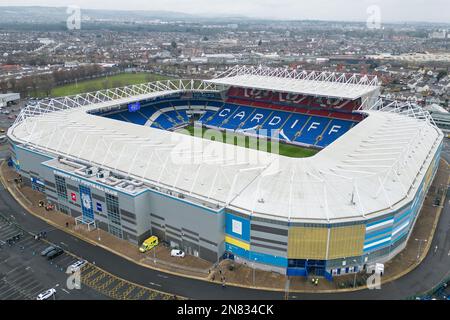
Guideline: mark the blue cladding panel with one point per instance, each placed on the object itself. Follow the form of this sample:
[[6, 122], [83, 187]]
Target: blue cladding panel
[[239, 223], [237, 251], [256, 256], [299, 272], [268, 259]]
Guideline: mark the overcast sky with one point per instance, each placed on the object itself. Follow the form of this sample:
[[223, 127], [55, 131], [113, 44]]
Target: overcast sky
[[391, 10]]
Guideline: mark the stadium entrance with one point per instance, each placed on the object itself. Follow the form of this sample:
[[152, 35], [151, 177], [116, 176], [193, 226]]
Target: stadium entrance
[[305, 267]]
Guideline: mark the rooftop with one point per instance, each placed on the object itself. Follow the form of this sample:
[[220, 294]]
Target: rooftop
[[322, 84]]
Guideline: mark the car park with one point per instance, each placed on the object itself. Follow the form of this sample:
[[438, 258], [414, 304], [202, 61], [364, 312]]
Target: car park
[[46, 294], [177, 253]]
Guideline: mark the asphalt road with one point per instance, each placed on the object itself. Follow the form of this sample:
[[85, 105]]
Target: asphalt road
[[429, 273]]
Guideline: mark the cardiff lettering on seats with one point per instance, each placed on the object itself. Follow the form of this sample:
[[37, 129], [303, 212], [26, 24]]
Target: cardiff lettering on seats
[[334, 129]]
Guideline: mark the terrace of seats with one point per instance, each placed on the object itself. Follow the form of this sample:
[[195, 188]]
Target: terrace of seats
[[303, 126]]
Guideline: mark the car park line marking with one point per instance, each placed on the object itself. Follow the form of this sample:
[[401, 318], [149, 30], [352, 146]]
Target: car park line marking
[[10, 295], [35, 289], [12, 270], [8, 290], [4, 261], [20, 278]]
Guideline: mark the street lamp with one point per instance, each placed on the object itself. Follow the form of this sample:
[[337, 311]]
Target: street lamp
[[354, 271], [253, 263], [420, 245]]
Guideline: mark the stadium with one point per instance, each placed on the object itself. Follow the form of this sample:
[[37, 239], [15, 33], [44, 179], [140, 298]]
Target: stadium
[[114, 160]]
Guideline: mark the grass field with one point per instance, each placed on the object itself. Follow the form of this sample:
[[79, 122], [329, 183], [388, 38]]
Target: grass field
[[287, 150], [119, 80]]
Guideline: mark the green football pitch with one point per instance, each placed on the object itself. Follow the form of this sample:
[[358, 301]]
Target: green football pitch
[[287, 150]]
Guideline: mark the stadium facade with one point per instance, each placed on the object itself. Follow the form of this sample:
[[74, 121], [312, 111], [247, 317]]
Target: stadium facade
[[107, 159]]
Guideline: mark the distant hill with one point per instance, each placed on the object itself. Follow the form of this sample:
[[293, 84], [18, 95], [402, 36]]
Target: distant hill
[[47, 15]]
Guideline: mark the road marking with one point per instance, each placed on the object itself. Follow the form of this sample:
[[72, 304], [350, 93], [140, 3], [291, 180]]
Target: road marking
[[154, 284], [65, 291], [163, 276]]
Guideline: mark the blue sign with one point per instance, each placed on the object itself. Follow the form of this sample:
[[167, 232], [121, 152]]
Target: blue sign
[[99, 207], [86, 204], [37, 181], [133, 107]]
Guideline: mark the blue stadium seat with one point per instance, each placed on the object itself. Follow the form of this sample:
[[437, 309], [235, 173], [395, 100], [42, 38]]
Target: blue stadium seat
[[256, 119], [134, 117], [335, 129], [115, 116], [198, 102], [163, 121], [294, 124], [180, 103], [223, 113], [312, 130], [184, 115], [173, 116], [215, 103], [238, 117], [206, 115], [148, 111], [274, 122]]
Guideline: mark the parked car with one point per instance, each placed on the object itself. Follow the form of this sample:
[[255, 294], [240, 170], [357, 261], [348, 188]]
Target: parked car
[[177, 253], [47, 250], [74, 267], [54, 253], [46, 294]]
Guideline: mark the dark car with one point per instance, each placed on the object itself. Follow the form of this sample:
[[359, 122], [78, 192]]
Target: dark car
[[54, 253], [47, 250]]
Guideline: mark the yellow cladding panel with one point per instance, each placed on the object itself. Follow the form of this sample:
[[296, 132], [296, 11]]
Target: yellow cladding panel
[[237, 243], [346, 241], [307, 243]]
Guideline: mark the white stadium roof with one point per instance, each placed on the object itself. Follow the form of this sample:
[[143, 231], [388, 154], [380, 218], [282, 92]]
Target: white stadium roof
[[374, 167], [313, 83]]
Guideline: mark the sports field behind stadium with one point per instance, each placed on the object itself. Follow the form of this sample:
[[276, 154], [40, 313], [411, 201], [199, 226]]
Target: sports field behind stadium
[[287, 150], [100, 83]]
